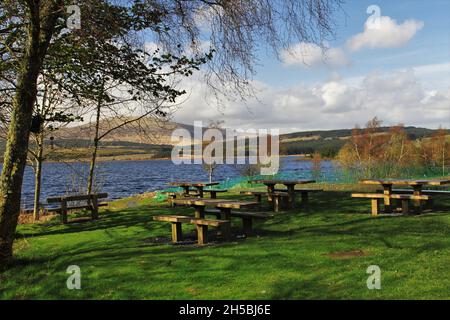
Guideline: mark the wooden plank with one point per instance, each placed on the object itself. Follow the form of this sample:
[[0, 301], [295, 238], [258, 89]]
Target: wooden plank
[[170, 218], [424, 192], [252, 193], [236, 204], [392, 196], [409, 182], [300, 190], [281, 181], [193, 184], [209, 222], [76, 197], [197, 201]]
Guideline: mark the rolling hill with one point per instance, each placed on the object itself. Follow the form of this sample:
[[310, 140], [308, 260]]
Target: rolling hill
[[152, 139]]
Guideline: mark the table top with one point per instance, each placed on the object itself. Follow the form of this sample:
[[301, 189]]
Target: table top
[[194, 184], [220, 203], [237, 204], [282, 181], [408, 182]]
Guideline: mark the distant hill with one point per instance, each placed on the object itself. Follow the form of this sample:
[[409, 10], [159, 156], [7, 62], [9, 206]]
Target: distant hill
[[153, 140], [329, 142], [150, 131]]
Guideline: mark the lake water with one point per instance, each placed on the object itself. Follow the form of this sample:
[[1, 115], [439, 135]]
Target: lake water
[[125, 178]]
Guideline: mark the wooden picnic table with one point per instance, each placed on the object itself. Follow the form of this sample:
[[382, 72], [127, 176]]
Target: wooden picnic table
[[224, 205], [199, 186], [290, 187], [416, 184]]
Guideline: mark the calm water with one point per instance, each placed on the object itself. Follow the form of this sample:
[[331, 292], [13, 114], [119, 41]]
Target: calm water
[[124, 178]]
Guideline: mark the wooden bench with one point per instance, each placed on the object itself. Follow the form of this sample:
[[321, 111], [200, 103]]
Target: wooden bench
[[202, 228], [424, 192], [201, 225], [213, 192], [247, 218], [176, 221], [377, 197], [91, 199]]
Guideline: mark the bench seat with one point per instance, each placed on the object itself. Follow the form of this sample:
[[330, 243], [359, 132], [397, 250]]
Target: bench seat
[[300, 190], [392, 196], [201, 225], [91, 199], [376, 198], [247, 218], [424, 192], [103, 204]]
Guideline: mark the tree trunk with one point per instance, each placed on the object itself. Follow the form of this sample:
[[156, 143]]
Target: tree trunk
[[15, 157], [94, 150], [38, 176]]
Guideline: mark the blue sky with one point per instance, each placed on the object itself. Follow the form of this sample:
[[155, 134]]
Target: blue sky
[[430, 45], [399, 72]]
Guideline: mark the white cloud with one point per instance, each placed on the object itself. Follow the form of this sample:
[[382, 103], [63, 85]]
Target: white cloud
[[384, 33], [309, 55], [395, 97]]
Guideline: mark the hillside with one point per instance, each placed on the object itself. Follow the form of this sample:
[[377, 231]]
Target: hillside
[[153, 140], [150, 131]]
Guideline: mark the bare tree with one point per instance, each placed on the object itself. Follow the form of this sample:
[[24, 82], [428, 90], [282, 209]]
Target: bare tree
[[52, 111], [211, 165], [31, 31]]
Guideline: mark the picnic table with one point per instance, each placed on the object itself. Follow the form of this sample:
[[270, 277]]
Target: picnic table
[[290, 187], [199, 186], [225, 205], [416, 184], [224, 212]]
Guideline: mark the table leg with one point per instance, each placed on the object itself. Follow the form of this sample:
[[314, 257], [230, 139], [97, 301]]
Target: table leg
[[225, 213], [291, 191], [225, 231], [185, 191], [387, 191], [417, 203], [305, 200], [270, 190], [199, 212]]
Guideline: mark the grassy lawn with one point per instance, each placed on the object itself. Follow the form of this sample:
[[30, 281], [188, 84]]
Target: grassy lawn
[[322, 254]]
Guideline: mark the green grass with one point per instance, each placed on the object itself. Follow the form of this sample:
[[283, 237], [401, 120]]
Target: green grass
[[288, 259]]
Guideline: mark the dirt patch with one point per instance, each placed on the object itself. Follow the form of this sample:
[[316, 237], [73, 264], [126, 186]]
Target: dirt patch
[[347, 254]]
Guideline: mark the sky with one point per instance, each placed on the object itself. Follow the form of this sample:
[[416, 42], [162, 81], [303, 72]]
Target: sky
[[395, 67]]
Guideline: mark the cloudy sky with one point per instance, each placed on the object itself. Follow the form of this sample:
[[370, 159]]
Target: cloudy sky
[[396, 68]]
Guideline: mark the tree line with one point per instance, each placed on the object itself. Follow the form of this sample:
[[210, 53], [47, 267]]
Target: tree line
[[370, 153]]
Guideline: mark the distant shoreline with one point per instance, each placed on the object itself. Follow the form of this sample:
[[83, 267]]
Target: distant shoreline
[[124, 158]]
